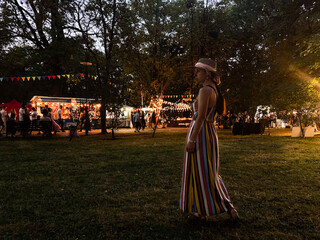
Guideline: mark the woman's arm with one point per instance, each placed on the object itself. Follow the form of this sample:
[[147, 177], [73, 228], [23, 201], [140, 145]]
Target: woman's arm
[[203, 103]]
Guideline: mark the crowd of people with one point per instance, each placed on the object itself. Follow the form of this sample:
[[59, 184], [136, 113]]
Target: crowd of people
[[289, 119], [27, 121], [140, 120]]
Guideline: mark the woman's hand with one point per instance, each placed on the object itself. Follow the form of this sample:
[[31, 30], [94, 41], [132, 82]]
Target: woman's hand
[[191, 146]]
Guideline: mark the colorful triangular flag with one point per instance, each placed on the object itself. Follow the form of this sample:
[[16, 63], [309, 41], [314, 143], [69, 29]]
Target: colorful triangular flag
[[28, 78], [23, 78]]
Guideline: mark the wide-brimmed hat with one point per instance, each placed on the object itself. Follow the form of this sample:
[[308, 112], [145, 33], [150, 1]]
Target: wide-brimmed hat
[[206, 63]]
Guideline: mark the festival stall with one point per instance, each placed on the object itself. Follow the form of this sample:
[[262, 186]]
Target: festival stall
[[71, 107], [123, 117], [178, 113], [16, 105]]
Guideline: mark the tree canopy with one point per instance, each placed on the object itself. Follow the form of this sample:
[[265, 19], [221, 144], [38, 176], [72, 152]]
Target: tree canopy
[[267, 51]]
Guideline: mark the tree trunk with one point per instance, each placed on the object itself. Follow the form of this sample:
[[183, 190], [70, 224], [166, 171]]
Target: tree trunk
[[108, 46], [103, 113], [57, 38]]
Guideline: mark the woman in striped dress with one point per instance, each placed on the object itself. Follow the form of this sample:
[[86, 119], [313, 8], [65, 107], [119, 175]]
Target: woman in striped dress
[[203, 192]]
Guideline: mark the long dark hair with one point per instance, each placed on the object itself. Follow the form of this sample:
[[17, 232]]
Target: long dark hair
[[221, 102]]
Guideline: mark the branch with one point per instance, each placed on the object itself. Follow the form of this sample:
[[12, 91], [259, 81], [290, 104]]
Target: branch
[[36, 40], [84, 34], [104, 28], [27, 12], [38, 23]]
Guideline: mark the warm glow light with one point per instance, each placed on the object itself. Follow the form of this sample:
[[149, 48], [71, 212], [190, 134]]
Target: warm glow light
[[305, 77]]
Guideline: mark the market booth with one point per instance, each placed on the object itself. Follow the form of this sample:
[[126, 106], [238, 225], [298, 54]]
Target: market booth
[[70, 107], [123, 117], [69, 104], [16, 105], [178, 113]]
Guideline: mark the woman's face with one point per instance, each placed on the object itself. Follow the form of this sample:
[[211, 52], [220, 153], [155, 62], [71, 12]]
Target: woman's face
[[200, 75]]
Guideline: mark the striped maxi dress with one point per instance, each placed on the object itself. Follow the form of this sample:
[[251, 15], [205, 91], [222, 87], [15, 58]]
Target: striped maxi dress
[[202, 188]]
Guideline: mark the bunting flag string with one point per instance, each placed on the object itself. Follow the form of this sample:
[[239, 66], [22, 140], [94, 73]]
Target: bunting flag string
[[177, 96], [50, 77]]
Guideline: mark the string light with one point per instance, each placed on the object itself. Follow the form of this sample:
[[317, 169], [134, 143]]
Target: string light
[[158, 104]]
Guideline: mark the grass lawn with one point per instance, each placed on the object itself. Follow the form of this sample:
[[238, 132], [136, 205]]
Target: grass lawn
[[128, 188]]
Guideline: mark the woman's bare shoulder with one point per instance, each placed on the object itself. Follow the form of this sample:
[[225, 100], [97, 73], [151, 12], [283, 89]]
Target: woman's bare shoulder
[[205, 90]]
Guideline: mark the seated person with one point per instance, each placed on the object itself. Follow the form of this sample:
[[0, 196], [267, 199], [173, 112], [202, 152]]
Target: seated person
[[45, 116], [45, 123]]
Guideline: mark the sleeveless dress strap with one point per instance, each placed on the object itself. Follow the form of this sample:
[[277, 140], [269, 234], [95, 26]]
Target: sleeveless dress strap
[[211, 110]]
